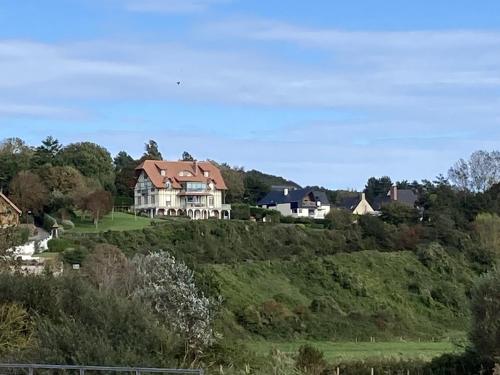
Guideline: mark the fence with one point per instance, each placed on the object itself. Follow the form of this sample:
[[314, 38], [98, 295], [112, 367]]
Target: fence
[[30, 369]]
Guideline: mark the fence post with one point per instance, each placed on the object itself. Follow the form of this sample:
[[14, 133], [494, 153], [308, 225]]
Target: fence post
[[338, 371], [82, 371], [30, 371], [372, 371]]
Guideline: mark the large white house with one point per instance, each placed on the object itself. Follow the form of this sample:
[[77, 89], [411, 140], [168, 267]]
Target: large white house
[[297, 202], [174, 188]]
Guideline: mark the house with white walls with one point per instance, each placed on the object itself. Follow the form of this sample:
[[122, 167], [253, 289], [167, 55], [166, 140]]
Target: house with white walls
[[297, 202], [173, 188]]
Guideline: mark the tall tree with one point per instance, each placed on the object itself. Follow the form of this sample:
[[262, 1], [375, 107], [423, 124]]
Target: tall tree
[[235, 182], [15, 156], [47, 152], [98, 204], [28, 192], [152, 151], [376, 187], [186, 156], [91, 160], [479, 173], [125, 174]]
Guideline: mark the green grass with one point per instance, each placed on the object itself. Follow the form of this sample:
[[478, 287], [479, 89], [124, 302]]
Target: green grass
[[47, 254], [119, 221], [353, 351]]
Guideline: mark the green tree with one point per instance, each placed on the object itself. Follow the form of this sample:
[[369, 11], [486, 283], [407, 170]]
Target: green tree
[[339, 219], [488, 228], [186, 156], [91, 160], [125, 174], [15, 157], [152, 151], [16, 328], [234, 179], [46, 153], [485, 333], [376, 187], [98, 204], [398, 213]]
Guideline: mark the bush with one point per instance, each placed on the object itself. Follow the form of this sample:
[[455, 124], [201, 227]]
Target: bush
[[48, 222], [240, 211], [67, 224], [310, 360], [485, 333], [58, 245]]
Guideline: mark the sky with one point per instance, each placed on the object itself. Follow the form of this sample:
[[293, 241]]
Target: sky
[[322, 92]]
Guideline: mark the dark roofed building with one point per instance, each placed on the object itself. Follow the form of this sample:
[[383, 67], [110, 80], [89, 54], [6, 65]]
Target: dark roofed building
[[297, 202], [406, 197], [358, 204]]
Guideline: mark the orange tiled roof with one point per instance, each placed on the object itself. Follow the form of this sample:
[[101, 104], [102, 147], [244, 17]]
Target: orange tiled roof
[[172, 170]]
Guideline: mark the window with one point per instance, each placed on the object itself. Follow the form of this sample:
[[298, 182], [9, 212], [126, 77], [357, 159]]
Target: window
[[196, 186], [146, 199], [210, 201], [138, 201], [163, 172], [152, 199], [206, 173]]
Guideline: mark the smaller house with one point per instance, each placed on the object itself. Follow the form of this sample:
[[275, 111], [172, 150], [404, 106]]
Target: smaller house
[[9, 213], [406, 197], [358, 205], [297, 202]]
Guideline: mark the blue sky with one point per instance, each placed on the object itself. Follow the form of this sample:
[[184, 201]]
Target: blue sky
[[322, 92]]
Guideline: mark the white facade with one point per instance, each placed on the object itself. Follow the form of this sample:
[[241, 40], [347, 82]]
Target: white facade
[[196, 200], [317, 212]]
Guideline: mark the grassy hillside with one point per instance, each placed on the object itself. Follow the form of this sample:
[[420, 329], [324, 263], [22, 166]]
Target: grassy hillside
[[119, 221], [287, 282], [347, 297]]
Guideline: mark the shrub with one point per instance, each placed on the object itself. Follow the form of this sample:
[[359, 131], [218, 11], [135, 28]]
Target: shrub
[[58, 245], [240, 211], [485, 334], [15, 327], [48, 222], [310, 360], [67, 224]]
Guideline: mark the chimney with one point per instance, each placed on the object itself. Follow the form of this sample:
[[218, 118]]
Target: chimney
[[285, 191], [363, 196], [195, 164], [393, 193]]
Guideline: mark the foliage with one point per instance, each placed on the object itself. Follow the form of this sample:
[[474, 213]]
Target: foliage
[[339, 219], [479, 173], [125, 174], [240, 211], [485, 334], [397, 213], [98, 204], [9, 238], [91, 160], [15, 157], [376, 187], [310, 360], [28, 192], [186, 156], [152, 151], [168, 285], [58, 245], [48, 222], [46, 154], [15, 328], [107, 268], [488, 228]]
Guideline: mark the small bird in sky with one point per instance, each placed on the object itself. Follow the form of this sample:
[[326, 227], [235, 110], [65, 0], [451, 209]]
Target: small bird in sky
[[178, 83]]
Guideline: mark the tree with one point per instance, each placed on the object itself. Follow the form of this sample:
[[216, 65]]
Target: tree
[[108, 268], [485, 333], [340, 219], [397, 213], [186, 156], [15, 156], [125, 174], [479, 173], [91, 160], [488, 228], [28, 192], [98, 204], [9, 238], [152, 151], [47, 152], [16, 328], [169, 286], [376, 187], [234, 179]]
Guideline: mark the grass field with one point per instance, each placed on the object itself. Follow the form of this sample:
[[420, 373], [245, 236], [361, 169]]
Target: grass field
[[337, 351], [119, 221]]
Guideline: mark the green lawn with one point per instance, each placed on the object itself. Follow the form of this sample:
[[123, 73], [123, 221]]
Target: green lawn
[[338, 351], [119, 221]]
